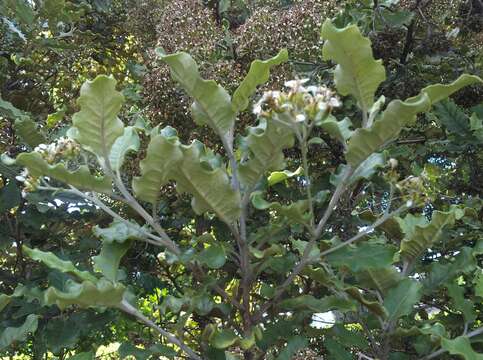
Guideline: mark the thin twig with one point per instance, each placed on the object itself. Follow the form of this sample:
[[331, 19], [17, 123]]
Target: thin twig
[[131, 310]]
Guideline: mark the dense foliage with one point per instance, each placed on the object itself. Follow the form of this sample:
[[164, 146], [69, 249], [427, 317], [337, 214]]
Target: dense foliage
[[146, 212]]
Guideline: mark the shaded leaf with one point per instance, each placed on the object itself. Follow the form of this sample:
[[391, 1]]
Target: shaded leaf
[[401, 299], [461, 346], [17, 334], [109, 258], [364, 256], [294, 344]]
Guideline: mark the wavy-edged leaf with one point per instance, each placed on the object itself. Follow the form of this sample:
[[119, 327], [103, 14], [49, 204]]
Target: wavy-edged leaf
[[398, 114], [80, 178], [438, 92], [401, 299], [17, 334], [103, 293], [296, 213], [28, 132], [362, 257], [357, 72], [212, 105], [339, 130], [53, 262], [421, 234], [278, 176], [366, 141], [162, 155], [264, 150], [108, 260], [118, 231], [461, 346], [129, 141], [190, 167], [96, 126], [257, 75]]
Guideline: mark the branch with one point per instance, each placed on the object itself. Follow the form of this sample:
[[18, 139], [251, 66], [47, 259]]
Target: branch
[[366, 231], [131, 310]]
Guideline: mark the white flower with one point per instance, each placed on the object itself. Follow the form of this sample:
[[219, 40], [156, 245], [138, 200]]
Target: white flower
[[300, 118], [295, 84]]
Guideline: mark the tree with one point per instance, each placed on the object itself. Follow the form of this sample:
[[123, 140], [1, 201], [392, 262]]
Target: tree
[[262, 246]]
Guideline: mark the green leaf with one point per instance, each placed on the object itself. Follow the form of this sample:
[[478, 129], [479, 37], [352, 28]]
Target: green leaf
[[9, 111], [465, 306], [296, 213], [223, 339], [478, 286], [257, 75], [362, 257], [54, 262], [27, 129], [294, 344], [87, 294], [357, 73], [264, 146], [308, 302], [373, 306], [4, 301], [336, 350], [398, 114], [365, 170], [212, 105], [17, 334], [109, 258], [61, 333], [461, 346], [278, 176], [96, 126], [381, 279], [190, 167], [54, 118], [452, 117], [401, 299], [129, 141], [10, 196], [80, 178], [366, 141], [339, 130], [421, 234], [119, 231], [214, 256], [438, 92]]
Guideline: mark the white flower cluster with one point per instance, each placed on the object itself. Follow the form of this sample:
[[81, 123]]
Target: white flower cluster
[[60, 149], [303, 102]]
